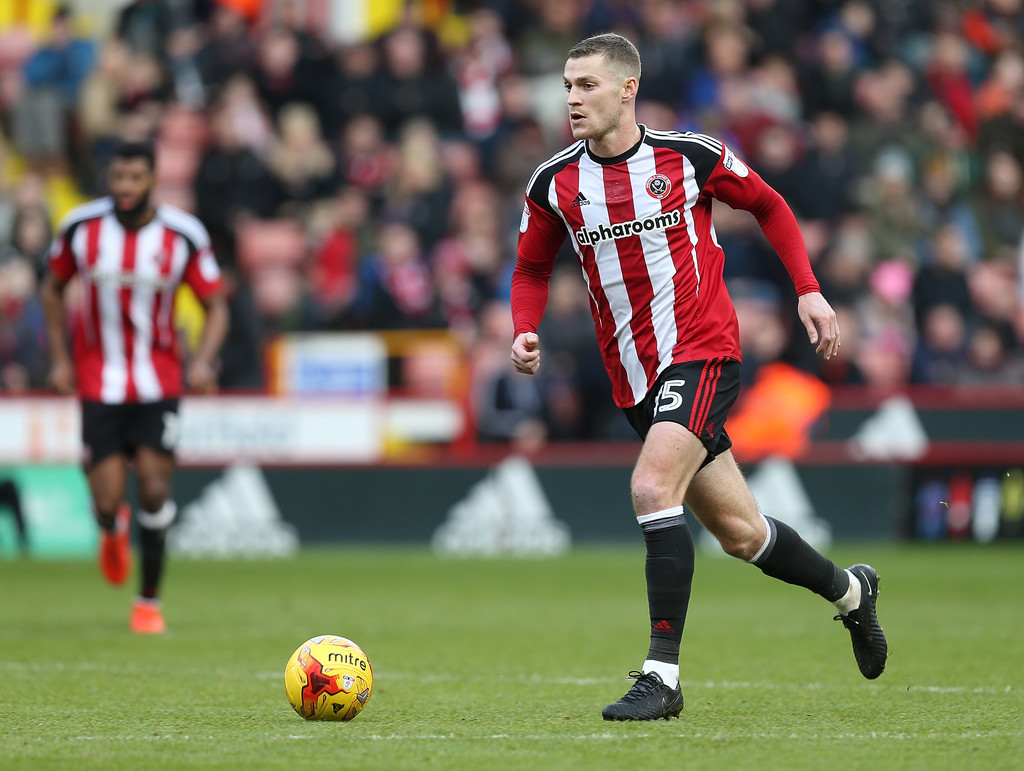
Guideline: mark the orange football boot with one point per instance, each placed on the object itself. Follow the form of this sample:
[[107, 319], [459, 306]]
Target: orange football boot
[[115, 548], [147, 618]]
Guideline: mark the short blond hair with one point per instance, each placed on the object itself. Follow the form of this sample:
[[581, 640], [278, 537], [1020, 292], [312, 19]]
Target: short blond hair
[[620, 54]]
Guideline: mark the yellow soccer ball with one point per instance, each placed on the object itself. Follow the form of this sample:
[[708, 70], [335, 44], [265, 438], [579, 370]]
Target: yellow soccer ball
[[328, 678]]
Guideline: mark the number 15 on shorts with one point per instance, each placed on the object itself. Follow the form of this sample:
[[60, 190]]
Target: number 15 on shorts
[[668, 397]]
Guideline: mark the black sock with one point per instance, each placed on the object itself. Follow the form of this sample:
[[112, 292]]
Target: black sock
[[669, 572], [151, 542], [789, 558]]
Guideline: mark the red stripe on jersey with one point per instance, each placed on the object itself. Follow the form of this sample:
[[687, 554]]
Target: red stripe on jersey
[[567, 187], [163, 336], [687, 306], [128, 328], [88, 340], [619, 201], [706, 389]]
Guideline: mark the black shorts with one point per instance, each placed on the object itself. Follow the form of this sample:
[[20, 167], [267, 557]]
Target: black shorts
[[123, 428], [695, 394]]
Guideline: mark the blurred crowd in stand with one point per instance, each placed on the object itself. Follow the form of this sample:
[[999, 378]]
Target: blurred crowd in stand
[[376, 183]]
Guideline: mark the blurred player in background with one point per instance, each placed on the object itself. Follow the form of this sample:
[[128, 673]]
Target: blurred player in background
[[637, 205], [130, 256]]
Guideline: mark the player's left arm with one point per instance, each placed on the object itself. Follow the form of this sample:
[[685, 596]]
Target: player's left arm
[[203, 275], [735, 184]]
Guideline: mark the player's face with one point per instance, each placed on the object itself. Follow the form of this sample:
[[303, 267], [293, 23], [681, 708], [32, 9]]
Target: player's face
[[594, 95], [130, 182]]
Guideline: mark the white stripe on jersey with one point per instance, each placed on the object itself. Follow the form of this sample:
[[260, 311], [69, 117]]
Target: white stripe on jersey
[[642, 166], [109, 261], [147, 384], [692, 192]]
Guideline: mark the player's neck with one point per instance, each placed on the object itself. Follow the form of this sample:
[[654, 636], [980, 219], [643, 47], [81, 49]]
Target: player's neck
[[616, 142], [137, 221]]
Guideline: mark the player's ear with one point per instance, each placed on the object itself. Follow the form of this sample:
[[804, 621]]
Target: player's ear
[[629, 89]]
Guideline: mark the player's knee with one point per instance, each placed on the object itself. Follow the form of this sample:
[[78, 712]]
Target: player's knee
[[651, 494], [739, 539], [153, 495], [105, 504]]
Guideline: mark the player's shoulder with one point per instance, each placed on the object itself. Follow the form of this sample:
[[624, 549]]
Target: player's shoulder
[[179, 220], [543, 174], [686, 142], [97, 207]]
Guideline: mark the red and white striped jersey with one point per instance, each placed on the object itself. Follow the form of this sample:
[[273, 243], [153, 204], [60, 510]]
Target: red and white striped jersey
[[641, 226], [124, 342]]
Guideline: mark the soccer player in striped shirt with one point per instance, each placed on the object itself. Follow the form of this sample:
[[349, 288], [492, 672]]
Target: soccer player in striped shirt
[[636, 205], [130, 256]]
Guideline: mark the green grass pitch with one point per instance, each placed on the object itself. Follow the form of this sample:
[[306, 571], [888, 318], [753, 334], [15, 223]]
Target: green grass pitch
[[494, 664]]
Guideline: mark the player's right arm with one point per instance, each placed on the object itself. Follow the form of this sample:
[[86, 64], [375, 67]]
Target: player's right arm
[[62, 267], [541, 233]]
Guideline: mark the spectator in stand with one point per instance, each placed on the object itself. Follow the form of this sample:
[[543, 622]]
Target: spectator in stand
[[418, 192], [301, 162], [340, 239], [414, 83], [893, 208], [23, 349], [726, 56], [1001, 106], [229, 48], [367, 160], [466, 262], [943, 279], [486, 58], [848, 260], [53, 77], [994, 293], [356, 83], [395, 291], [883, 118], [286, 76], [999, 206], [949, 80], [668, 47], [145, 91], [519, 146], [826, 172], [232, 183], [990, 360], [146, 26], [943, 200], [941, 347]]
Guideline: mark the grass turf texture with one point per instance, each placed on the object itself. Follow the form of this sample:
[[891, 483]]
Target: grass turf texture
[[507, 664]]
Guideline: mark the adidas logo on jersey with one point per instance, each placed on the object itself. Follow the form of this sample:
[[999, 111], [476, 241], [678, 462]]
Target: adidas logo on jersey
[[579, 200], [592, 236]]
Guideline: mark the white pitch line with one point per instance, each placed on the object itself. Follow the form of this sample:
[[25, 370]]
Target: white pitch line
[[899, 736], [442, 677]]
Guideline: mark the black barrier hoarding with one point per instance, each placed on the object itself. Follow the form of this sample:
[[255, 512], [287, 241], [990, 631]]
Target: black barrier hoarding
[[407, 505]]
